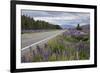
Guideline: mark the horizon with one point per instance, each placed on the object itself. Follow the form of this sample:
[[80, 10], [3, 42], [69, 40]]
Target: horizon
[[59, 17]]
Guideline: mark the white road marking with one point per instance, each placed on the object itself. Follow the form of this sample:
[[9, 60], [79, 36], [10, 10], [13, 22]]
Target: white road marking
[[41, 41]]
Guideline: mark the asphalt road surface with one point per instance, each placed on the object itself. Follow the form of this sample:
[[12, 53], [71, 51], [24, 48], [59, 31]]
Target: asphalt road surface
[[31, 38]]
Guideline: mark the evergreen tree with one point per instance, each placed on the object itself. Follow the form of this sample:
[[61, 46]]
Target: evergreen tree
[[78, 27]]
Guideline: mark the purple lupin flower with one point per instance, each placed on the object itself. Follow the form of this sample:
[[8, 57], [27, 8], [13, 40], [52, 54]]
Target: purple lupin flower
[[23, 59]]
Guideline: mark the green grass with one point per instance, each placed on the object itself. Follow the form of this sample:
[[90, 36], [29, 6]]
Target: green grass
[[38, 58], [63, 49]]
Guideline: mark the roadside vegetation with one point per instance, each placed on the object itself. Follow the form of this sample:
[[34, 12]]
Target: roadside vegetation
[[63, 48]]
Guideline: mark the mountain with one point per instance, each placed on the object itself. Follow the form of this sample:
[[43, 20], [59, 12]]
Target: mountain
[[86, 28], [67, 26]]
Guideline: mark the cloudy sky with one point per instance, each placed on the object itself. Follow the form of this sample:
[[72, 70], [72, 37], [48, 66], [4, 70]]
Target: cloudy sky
[[59, 18]]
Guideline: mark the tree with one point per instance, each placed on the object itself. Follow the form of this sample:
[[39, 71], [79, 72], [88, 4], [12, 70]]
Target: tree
[[78, 27]]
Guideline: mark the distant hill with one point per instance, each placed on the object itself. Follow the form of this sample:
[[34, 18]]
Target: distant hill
[[67, 26], [86, 28]]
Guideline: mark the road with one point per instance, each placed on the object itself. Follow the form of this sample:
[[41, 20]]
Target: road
[[31, 38]]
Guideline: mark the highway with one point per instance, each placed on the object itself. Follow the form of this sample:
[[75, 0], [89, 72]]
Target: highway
[[28, 39]]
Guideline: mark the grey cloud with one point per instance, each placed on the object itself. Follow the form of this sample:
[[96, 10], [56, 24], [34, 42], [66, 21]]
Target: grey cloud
[[77, 17]]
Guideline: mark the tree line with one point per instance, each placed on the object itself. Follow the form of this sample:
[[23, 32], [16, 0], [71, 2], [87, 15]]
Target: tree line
[[28, 23]]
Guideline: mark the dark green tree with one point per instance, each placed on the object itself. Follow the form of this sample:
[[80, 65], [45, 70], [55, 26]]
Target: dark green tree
[[78, 27]]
